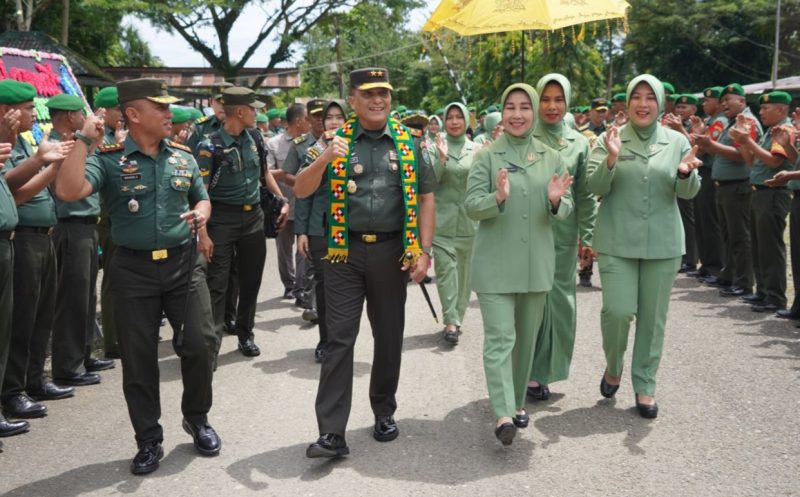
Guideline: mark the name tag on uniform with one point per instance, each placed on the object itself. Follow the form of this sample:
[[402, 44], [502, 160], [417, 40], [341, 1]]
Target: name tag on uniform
[[130, 177], [512, 168], [626, 157], [392, 155]]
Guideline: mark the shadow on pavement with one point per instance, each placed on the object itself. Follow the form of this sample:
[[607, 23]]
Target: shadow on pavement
[[301, 364], [430, 341], [114, 475], [603, 418], [458, 449]]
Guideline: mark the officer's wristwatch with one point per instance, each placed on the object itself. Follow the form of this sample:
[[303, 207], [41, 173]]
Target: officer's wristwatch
[[427, 251], [85, 139]]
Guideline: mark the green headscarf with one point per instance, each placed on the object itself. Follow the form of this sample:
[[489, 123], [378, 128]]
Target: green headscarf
[[491, 121], [441, 126], [646, 132], [534, 103], [552, 133], [455, 143]]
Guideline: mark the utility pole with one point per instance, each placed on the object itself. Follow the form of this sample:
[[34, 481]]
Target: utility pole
[[522, 56], [65, 23], [610, 66], [777, 45], [338, 58]]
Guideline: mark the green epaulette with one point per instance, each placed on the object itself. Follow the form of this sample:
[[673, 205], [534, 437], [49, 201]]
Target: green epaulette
[[104, 149], [300, 139]]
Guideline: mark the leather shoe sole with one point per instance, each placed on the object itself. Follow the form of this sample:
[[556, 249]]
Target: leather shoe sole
[[79, 380], [62, 393], [505, 433], [188, 428]]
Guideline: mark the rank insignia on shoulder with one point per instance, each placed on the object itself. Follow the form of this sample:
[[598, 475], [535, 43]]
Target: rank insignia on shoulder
[[205, 153], [202, 120], [104, 149], [300, 139], [180, 146]]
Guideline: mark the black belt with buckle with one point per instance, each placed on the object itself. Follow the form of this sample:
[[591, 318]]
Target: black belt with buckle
[[726, 182], [765, 187], [233, 207], [79, 219], [39, 230], [155, 255], [7, 235], [370, 237]]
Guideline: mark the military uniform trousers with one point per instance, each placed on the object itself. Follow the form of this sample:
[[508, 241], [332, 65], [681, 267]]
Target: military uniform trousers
[[291, 264], [318, 247], [556, 340], [511, 323], [76, 295], [768, 210], [794, 244], [709, 242], [451, 257], [106, 300], [686, 208], [733, 209], [236, 231], [232, 295], [6, 298], [143, 289], [640, 289], [32, 315], [372, 272]]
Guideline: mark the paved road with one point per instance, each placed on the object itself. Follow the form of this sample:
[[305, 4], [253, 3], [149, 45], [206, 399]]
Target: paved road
[[728, 425]]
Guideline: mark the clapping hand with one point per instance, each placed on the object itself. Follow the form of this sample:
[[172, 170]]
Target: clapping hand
[[558, 187], [673, 121], [620, 119], [780, 179], [5, 153], [690, 162], [9, 126], [120, 133], [782, 134], [613, 144], [503, 186], [441, 147], [698, 126], [50, 151]]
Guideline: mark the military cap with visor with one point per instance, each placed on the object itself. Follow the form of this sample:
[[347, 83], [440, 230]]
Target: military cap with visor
[[238, 95], [315, 106], [65, 102], [599, 104], [152, 89], [369, 78], [217, 89], [16, 92], [106, 98]]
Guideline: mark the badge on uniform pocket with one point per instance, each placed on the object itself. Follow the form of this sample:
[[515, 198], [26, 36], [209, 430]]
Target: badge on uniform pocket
[[180, 184]]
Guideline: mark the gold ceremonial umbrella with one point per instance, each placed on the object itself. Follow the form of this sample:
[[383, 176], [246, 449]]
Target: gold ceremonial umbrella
[[474, 17]]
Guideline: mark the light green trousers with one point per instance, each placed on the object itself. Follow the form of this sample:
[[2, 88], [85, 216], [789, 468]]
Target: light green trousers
[[451, 257], [511, 322], [637, 288], [556, 341]]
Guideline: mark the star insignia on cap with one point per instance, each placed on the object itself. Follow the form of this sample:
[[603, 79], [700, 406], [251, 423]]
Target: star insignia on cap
[[376, 73], [708, 93], [684, 100], [766, 98], [730, 88]]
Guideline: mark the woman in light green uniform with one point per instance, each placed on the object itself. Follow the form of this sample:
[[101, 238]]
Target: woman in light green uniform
[[517, 188], [451, 159], [556, 340], [640, 170], [490, 123]]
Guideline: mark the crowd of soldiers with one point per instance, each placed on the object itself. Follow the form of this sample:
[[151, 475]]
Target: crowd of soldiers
[[137, 180]]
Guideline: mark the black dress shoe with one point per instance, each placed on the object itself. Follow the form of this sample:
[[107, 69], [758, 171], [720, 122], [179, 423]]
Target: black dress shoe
[[427, 279], [754, 298], [146, 460], [450, 337], [698, 273], [79, 380], [521, 420], [94, 364], [585, 280], [685, 268], [328, 445], [51, 391], [287, 294], [249, 348], [607, 390], [310, 315], [787, 314], [505, 433], [21, 406], [649, 411], [229, 327], [11, 428], [734, 291], [541, 392], [766, 307], [206, 440], [385, 429], [715, 281]]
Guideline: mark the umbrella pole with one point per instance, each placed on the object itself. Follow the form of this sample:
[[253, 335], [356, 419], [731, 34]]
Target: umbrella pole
[[522, 57]]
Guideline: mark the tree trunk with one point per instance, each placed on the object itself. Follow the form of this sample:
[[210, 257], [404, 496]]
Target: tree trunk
[[19, 16], [65, 23]]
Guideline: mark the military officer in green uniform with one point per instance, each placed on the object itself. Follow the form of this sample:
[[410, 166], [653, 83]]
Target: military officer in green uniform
[[556, 340], [731, 177], [707, 233], [76, 241], [231, 164], [451, 159], [34, 266], [640, 170], [769, 206], [517, 188], [597, 119], [379, 230], [15, 99], [208, 124], [155, 198], [114, 131], [616, 114]]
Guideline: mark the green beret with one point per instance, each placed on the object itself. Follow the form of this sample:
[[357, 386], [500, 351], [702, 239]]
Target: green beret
[[618, 97], [687, 99], [261, 117], [493, 108], [775, 97], [16, 92], [107, 97], [282, 113], [401, 109], [483, 113], [733, 88], [180, 115], [195, 113], [712, 92], [674, 97], [668, 88], [273, 114], [63, 101]]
